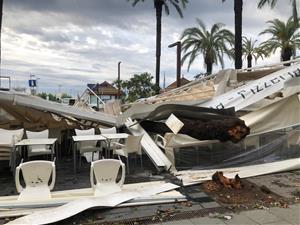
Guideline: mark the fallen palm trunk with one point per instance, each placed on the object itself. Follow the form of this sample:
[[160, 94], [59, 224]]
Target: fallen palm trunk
[[200, 123], [190, 112], [230, 129]]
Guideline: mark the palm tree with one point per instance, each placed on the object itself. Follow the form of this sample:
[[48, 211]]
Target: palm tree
[[212, 44], [250, 51], [159, 5], [285, 36], [238, 11], [272, 3]]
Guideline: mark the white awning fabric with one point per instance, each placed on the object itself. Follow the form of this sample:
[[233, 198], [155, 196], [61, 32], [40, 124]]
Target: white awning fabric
[[279, 115], [257, 90], [14, 102]]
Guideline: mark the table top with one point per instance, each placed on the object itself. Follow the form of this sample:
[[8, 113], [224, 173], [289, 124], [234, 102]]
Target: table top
[[88, 138], [115, 136], [36, 141]]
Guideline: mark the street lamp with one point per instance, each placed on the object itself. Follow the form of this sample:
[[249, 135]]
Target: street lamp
[[119, 85], [178, 76]]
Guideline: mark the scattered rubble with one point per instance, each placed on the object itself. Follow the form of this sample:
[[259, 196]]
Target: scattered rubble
[[235, 183], [240, 194], [220, 216]]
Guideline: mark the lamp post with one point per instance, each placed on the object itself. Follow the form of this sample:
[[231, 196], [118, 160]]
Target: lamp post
[[37, 84], [119, 85], [178, 71]]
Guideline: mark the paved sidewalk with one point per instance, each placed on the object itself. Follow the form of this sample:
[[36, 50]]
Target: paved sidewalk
[[274, 216]]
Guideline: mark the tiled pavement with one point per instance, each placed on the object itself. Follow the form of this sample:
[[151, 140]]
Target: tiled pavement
[[199, 203], [274, 216]]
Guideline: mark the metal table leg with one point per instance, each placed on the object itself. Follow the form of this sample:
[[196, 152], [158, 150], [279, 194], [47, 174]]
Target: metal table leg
[[108, 149], [52, 151], [13, 160]]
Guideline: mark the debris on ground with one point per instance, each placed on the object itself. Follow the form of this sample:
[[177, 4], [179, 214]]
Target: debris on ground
[[265, 189], [219, 181], [187, 204], [220, 216], [219, 178], [162, 214], [240, 194]]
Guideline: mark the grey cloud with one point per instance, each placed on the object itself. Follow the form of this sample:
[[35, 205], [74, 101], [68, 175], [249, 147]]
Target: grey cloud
[[88, 12], [54, 36], [120, 13], [122, 33]]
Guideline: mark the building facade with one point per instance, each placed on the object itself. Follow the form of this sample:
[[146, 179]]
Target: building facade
[[173, 85], [105, 91]]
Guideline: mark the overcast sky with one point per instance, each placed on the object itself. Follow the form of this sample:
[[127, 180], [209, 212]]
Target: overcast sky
[[69, 43]]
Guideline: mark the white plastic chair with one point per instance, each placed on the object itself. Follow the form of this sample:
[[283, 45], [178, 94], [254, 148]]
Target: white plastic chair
[[293, 138], [35, 150], [251, 141], [160, 141], [111, 130], [106, 173], [7, 140], [36, 175], [132, 145], [87, 146]]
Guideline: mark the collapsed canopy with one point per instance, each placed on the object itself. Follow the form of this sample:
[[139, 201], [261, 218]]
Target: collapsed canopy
[[29, 110]]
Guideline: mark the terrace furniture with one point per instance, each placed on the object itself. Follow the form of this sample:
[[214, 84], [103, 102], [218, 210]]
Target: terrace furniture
[[293, 138], [8, 138], [113, 137], [132, 145], [160, 141], [172, 142], [36, 175], [86, 141], [251, 141], [104, 174], [111, 130], [34, 150], [34, 142]]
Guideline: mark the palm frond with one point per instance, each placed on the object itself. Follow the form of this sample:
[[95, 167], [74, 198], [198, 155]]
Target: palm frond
[[134, 2], [211, 43], [285, 36], [262, 3], [166, 7]]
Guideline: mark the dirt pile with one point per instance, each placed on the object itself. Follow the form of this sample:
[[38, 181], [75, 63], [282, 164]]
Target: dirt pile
[[240, 193]]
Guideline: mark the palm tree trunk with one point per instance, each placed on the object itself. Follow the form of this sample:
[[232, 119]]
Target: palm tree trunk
[[208, 68], [158, 6], [238, 9], [286, 55], [295, 12], [249, 60]]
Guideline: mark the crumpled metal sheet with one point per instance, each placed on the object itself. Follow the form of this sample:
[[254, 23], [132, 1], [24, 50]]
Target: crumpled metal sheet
[[77, 206]]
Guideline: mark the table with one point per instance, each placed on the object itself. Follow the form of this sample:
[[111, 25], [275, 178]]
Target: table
[[82, 138], [33, 141], [110, 137]]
